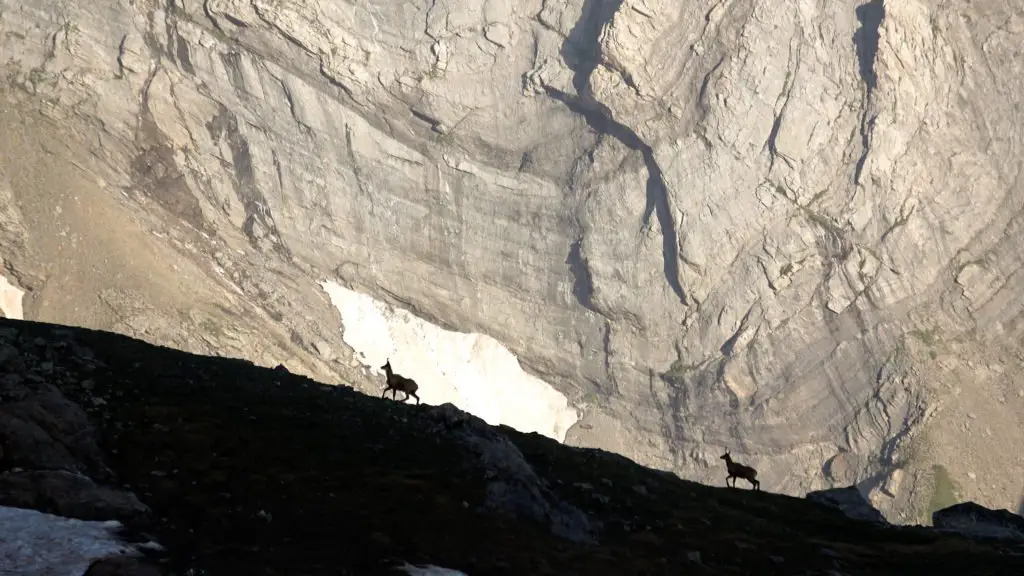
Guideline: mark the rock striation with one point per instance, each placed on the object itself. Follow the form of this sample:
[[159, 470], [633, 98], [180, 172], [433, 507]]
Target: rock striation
[[696, 219]]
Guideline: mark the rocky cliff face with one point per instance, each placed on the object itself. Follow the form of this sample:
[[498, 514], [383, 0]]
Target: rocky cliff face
[[786, 228]]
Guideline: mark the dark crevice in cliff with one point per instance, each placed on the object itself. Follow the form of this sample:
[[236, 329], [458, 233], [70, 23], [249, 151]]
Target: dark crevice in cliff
[[866, 39], [582, 53], [702, 95], [792, 71], [154, 168], [657, 203], [582, 49], [773, 135], [657, 191], [583, 282], [259, 224], [177, 49]]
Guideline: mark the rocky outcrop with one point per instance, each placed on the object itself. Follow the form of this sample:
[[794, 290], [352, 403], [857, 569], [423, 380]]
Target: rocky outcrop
[[513, 486], [976, 520], [707, 217], [61, 510], [850, 501], [49, 459]]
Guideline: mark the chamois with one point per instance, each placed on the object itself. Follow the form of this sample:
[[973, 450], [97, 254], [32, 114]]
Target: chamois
[[737, 470], [398, 383]]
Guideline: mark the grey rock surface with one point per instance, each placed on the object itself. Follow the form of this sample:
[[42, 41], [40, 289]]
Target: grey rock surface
[[53, 474], [976, 520], [70, 495], [513, 486], [50, 458], [778, 227], [849, 499]]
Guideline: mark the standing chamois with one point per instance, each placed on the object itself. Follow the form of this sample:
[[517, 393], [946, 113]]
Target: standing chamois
[[737, 470], [398, 383]]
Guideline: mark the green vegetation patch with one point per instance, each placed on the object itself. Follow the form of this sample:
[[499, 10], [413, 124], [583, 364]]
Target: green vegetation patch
[[929, 337], [945, 490]]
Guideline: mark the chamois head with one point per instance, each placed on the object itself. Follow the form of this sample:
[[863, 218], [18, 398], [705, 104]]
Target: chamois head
[[725, 456]]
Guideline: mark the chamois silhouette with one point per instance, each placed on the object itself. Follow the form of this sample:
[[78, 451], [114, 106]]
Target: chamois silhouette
[[398, 383], [737, 470]]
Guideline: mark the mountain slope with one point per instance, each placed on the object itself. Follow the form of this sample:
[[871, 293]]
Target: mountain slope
[[258, 471]]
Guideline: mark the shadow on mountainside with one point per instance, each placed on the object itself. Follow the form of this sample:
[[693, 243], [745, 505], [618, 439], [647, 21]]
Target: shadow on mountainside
[[249, 470]]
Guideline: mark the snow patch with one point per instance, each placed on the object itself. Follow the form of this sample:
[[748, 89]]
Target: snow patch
[[429, 570], [34, 543], [472, 371], [10, 300]]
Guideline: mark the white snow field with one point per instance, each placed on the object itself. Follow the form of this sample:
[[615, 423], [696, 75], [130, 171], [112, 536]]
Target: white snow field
[[472, 371], [10, 299]]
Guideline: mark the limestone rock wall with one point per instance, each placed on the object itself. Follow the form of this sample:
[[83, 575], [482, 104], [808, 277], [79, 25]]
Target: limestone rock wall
[[711, 223]]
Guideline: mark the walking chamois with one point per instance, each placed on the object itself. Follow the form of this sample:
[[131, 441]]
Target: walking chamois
[[398, 383], [737, 470]]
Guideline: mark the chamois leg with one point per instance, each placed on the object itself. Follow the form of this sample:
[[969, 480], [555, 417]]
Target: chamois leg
[[385, 392], [755, 483], [410, 395]]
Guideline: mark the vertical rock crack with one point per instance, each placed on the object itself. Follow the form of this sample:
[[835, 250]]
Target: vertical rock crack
[[582, 53], [865, 39]]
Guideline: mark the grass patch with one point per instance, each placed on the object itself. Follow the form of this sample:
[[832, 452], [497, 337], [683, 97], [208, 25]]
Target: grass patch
[[678, 370], [944, 492], [929, 337]]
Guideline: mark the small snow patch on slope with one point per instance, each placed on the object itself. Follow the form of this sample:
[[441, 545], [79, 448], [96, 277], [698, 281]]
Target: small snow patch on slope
[[472, 371], [10, 300], [429, 570], [33, 543]]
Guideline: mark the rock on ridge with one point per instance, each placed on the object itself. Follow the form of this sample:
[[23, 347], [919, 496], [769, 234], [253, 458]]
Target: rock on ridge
[[850, 501], [975, 520], [61, 506], [513, 486]]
